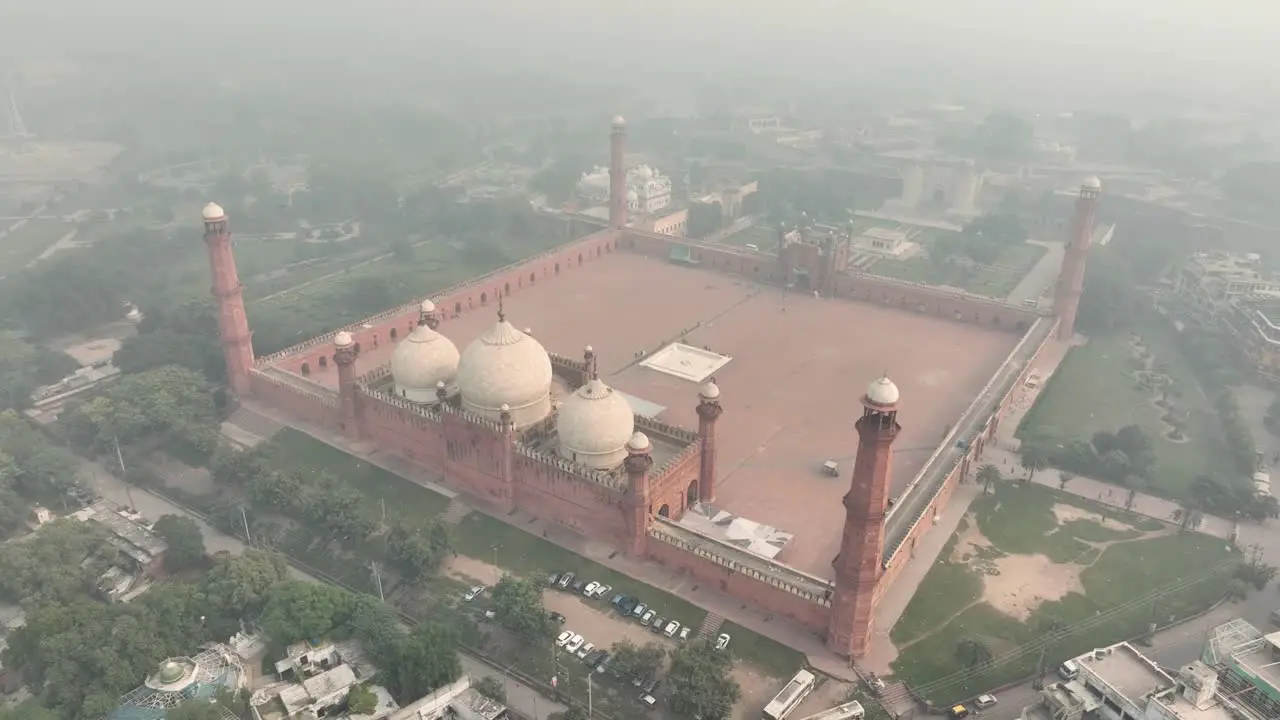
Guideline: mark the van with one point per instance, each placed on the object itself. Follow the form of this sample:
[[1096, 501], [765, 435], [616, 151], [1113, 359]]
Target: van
[[1068, 670], [648, 700]]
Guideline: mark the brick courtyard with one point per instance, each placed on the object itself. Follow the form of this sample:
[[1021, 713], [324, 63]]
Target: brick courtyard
[[790, 393]]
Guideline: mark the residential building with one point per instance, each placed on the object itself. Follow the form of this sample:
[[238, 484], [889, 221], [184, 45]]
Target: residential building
[[314, 680], [1210, 283], [143, 549], [457, 700], [1248, 665], [1120, 683], [177, 680], [1256, 322]]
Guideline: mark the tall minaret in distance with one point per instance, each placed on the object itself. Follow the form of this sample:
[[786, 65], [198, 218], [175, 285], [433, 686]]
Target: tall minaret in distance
[[1066, 299], [618, 173], [233, 324], [861, 560]]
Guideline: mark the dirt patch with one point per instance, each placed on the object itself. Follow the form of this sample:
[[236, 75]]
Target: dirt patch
[[1026, 581], [757, 690], [970, 542], [1068, 513], [177, 474], [471, 570]]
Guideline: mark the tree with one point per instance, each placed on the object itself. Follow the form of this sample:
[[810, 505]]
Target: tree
[[427, 660], [973, 653], [239, 585], [1272, 419], [1064, 478], [988, 475], [1186, 515], [60, 564], [699, 685], [29, 709], [29, 464], [420, 550], [573, 712], [298, 610], [171, 403], [24, 367], [1033, 458], [185, 541], [492, 688], [630, 661], [518, 606], [361, 701]]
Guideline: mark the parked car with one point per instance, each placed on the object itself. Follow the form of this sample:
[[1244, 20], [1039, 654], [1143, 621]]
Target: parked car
[[601, 660], [563, 638], [627, 604], [473, 593], [578, 585], [722, 642], [648, 701], [671, 629], [574, 643], [603, 590], [585, 650], [564, 580], [553, 579], [684, 633], [593, 658], [489, 614], [958, 711], [651, 686], [639, 610], [557, 618], [617, 600], [640, 680], [603, 665], [647, 617], [590, 588], [657, 624], [985, 701]]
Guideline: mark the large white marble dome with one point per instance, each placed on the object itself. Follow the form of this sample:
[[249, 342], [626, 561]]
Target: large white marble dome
[[594, 425], [421, 361], [506, 367]]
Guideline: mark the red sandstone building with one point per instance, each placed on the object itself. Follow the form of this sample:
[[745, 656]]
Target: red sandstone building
[[516, 427]]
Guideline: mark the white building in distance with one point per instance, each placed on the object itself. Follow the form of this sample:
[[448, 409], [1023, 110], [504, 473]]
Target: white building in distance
[[648, 190]]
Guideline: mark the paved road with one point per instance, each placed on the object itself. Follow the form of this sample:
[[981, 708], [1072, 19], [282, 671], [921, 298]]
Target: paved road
[[521, 697], [1041, 276]]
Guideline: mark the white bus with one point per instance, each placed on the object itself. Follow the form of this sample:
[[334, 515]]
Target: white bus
[[790, 696], [848, 711]]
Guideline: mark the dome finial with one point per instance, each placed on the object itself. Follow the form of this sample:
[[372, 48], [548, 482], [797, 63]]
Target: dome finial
[[502, 313]]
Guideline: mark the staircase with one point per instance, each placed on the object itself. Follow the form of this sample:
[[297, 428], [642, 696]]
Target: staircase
[[254, 423], [456, 511], [710, 627]]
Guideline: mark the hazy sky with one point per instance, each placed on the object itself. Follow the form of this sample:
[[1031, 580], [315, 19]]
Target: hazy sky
[[1136, 44]]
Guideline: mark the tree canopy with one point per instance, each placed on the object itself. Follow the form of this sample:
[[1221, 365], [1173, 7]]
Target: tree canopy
[[171, 403], [517, 603], [699, 685], [186, 543]]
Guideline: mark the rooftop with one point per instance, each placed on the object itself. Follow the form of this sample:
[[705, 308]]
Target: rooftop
[[137, 541], [790, 394], [1126, 670], [1260, 659]]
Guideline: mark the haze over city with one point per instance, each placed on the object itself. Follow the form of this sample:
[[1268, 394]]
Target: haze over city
[[707, 361]]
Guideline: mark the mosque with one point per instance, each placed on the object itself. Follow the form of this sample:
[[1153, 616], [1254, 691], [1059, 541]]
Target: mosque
[[515, 427]]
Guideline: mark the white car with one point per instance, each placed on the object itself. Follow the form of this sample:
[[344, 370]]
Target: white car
[[473, 593], [591, 588], [684, 633], [564, 637], [585, 650], [672, 628], [722, 642], [574, 643], [985, 701], [603, 590]]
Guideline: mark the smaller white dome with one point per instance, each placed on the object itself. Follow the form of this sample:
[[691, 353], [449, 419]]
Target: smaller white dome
[[427, 306], [882, 392], [619, 121], [343, 339], [594, 425], [213, 211], [421, 361], [588, 349], [505, 408], [639, 442], [632, 196], [709, 390], [1092, 183]]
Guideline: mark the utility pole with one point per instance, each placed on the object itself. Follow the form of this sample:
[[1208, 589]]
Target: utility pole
[[589, 705], [124, 475], [383, 503], [244, 519], [377, 579], [497, 574]]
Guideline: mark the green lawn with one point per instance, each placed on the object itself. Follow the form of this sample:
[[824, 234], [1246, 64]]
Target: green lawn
[[774, 658], [997, 280], [1093, 389], [1019, 519], [405, 500], [27, 242], [764, 238]]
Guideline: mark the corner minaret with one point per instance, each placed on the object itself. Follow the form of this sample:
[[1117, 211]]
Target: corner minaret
[[860, 562], [709, 411], [1066, 299], [233, 324], [344, 356], [617, 174], [636, 501]]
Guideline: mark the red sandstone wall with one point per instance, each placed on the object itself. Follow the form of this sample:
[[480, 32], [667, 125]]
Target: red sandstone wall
[[481, 292], [558, 496], [772, 599], [863, 287], [671, 488], [308, 407]]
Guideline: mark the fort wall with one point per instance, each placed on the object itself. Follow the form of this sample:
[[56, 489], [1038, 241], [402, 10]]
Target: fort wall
[[916, 297], [319, 406], [480, 292]]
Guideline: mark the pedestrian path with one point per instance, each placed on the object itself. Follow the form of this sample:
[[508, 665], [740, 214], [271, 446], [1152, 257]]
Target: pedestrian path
[[710, 626], [456, 511]]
